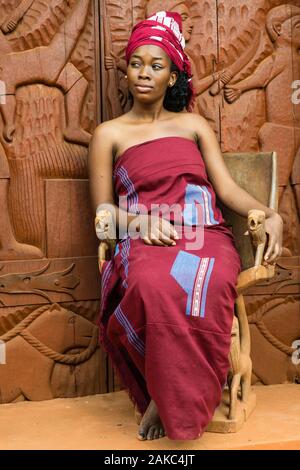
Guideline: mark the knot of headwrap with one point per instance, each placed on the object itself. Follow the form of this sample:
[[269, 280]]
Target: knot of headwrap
[[163, 29]]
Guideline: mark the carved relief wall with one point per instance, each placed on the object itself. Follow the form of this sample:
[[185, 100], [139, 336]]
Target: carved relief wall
[[49, 281], [246, 63]]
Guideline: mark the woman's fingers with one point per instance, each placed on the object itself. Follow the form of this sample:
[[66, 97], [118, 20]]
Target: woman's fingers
[[160, 240], [156, 241], [270, 249], [163, 239], [159, 232], [147, 240], [155, 238], [275, 253], [166, 240], [167, 236], [164, 232], [274, 226], [169, 233]]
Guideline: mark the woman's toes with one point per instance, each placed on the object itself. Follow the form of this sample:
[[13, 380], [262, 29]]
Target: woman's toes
[[142, 434], [151, 432]]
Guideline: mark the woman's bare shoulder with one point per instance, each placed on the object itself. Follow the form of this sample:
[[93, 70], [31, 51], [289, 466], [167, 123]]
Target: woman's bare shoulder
[[196, 119], [200, 125], [108, 128]]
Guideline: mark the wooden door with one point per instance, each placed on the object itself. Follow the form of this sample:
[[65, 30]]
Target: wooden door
[[49, 280]]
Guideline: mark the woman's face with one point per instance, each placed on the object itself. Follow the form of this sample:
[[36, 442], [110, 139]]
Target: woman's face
[[148, 73]]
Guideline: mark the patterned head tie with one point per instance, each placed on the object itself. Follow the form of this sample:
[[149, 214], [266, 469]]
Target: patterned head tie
[[163, 29]]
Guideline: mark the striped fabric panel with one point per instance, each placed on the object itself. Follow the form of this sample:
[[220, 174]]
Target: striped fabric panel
[[106, 274], [184, 270], [133, 338], [196, 196], [125, 248], [209, 213], [200, 287], [205, 286], [132, 196]]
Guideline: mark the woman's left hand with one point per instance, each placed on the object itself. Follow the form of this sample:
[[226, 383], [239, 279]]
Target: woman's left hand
[[274, 229]]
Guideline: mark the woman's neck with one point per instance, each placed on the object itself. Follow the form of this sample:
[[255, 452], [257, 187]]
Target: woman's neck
[[147, 114]]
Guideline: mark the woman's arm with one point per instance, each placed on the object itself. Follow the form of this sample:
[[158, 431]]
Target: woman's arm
[[229, 193], [100, 169], [154, 230]]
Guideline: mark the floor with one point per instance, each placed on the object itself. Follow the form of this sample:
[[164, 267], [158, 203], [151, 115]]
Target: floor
[[107, 422]]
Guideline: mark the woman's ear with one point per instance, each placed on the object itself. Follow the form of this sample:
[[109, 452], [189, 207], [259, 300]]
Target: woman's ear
[[173, 78]]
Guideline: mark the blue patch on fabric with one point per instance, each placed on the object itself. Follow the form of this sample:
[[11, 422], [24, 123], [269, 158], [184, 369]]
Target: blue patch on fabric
[[184, 270], [193, 274], [117, 249]]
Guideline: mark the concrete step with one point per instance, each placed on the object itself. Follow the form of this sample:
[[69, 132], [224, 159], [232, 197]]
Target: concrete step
[[107, 422]]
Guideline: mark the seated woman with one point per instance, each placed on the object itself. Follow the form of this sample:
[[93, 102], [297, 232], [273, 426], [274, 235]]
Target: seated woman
[[167, 304]]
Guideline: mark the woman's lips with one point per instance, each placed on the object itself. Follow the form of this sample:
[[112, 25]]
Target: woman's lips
[[143, 88]]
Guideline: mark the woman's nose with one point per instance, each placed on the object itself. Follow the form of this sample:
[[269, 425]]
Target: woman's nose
[[144, 72]]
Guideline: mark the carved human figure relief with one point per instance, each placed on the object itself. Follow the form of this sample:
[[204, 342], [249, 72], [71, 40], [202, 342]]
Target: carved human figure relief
[[27, 72], [49, 65], [276, 74]]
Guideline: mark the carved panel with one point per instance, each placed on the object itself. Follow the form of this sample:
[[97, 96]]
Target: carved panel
[[49, 279], [50, 352], [274, 318], [68, 225]]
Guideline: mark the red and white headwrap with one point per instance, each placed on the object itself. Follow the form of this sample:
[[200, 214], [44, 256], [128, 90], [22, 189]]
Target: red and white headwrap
[[163, 29]]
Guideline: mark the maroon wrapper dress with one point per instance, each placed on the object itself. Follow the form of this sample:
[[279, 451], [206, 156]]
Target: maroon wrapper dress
[[166, 311]]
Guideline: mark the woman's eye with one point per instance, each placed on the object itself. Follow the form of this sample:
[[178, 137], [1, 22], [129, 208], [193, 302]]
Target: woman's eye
[[156, 66]]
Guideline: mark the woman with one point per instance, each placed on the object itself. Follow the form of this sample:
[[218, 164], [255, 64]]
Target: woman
[[167, 305]]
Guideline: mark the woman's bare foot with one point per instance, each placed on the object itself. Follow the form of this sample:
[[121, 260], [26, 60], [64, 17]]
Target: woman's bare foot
[[151, 426]]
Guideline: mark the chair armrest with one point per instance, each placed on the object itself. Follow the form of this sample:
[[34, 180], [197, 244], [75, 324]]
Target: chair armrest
[[252, 276], [104, 230], [257, 233]]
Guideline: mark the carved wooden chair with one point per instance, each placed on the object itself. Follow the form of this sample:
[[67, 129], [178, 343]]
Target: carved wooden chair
[[257, 174]]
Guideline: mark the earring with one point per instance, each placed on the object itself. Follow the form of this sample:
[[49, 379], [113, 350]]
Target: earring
[[125, 76]]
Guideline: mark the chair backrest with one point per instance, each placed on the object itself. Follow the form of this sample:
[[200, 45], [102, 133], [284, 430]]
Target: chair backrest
[[257, 174]]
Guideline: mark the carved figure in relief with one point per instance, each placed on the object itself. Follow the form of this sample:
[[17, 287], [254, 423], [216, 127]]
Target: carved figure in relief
[[75, 343], [276, 74], [49, 65], [44, 64], [10, 248], [39, 282], [11, 21]]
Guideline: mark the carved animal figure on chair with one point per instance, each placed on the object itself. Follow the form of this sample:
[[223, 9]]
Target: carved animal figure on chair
[[256, 227], [239, 375]]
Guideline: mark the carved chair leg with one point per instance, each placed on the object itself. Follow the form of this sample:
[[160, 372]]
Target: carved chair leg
[[234, 388], [246, 382]]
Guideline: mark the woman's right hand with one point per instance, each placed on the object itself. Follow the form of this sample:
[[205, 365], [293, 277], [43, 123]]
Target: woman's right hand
[[155, 230]]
